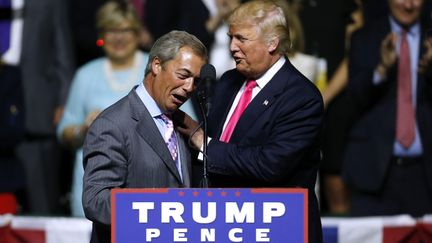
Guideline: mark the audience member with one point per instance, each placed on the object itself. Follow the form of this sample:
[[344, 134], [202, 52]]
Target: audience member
[[102, 82], [340, 117], [273, 141], [12, 178], [36, 66], [85, 35], [133, 143], [387, 163]]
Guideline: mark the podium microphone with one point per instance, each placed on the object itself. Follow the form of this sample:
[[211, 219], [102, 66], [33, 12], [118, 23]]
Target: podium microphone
[[207, 76]]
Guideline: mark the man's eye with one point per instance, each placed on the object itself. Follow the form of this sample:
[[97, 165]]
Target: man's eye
[[242, 39], [182, 76]]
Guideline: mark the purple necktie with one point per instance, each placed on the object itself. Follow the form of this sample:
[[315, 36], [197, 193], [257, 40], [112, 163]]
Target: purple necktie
[[171, 140], [405, 120], [5, 27]]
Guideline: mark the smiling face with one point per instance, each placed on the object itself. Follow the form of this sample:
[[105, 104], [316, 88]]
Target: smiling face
[[251, 52], [406, 12], [172, 83], [120, 42]]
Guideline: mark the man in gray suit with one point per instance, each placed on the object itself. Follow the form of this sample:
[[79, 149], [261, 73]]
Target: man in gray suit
[[133, 144]]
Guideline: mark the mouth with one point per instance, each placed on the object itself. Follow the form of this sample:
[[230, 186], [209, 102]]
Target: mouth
[[237, 59], [179, 99]]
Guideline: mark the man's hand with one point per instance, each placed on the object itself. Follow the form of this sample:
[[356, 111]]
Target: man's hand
[[388, 54], [425, 63], [91, 117], [58, 113], [190, 128]]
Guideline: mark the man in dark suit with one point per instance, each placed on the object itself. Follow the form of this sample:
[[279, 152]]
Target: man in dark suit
[[388, 159], [275, 141], [39, 59], [133, 144]]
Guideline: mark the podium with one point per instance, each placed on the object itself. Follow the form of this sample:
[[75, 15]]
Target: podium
[[209, 215]]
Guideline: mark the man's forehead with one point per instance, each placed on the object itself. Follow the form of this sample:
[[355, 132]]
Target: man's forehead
[[242, 29]]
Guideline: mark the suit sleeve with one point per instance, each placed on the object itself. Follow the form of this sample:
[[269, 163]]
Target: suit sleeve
[[105, 168], [364, 56], [293, 136]]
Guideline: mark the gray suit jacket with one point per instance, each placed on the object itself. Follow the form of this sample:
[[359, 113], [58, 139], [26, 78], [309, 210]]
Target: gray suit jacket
[[124, 149], [47, 62]]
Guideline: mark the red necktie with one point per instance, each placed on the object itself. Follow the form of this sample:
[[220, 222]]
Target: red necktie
[[405, 120], [241, 106]]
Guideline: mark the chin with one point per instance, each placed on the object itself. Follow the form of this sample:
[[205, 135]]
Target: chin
[[172, 108], [241, 68]]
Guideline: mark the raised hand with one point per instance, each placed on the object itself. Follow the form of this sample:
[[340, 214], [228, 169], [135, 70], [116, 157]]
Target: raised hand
[[425, 63], [190, 128], [388, 54]]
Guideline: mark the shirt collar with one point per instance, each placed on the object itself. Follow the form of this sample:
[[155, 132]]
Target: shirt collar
[[267, 76], [413, 30], [148, 101]]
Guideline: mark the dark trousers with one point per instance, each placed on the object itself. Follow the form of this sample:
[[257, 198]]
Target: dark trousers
[[405, 191], [11, 107], [40, 158]]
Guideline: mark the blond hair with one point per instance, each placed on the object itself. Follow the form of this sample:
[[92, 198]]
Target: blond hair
[[294, 25], [113, 13], [268, 17]]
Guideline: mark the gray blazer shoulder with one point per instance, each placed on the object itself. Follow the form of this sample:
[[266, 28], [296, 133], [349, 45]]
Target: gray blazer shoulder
[[124, 149]]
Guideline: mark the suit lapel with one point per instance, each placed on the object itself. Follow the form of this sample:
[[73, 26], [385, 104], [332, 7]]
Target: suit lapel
[[229, 92], [264, 100], [185, 157], [148, 130]]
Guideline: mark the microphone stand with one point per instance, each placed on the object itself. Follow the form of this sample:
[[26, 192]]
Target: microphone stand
[[202, 101]]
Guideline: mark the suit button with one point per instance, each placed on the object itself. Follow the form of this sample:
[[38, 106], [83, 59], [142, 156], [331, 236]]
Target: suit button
[[399, 161]]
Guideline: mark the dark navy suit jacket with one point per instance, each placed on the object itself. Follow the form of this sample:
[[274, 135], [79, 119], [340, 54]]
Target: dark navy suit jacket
[[275, 142], [371, 140]]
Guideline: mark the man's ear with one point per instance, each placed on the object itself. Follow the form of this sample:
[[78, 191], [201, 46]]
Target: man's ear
[[156, 65], [273, 44]]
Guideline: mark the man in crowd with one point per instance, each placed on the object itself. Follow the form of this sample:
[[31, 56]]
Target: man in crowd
[[36, 67], [388, 158]]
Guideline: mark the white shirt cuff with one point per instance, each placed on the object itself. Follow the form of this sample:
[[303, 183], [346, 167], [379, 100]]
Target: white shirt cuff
[[200, 154]]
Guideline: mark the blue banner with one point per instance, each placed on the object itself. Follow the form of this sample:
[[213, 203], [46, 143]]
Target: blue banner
[[209, 215]]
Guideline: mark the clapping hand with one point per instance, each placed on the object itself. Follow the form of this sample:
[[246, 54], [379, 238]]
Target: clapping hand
[[388, 54], [425, 63]]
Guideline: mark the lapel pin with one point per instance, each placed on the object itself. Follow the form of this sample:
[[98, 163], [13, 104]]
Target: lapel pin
[[265, 102]]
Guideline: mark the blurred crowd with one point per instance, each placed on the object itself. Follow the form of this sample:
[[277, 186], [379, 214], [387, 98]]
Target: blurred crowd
[[62, 62]]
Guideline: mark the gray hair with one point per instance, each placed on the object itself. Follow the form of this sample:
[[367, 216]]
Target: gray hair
[[167, 46]]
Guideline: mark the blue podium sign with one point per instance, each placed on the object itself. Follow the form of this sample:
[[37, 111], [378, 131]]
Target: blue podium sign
[[209, 215]]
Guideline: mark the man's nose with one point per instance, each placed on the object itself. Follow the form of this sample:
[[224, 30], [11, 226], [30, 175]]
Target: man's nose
[[233, 45], [189, 85]]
